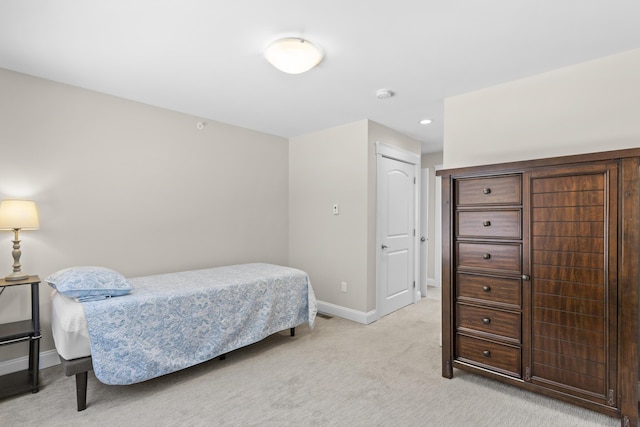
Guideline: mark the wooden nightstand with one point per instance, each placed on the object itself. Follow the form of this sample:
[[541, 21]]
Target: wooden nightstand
[[24, 330]]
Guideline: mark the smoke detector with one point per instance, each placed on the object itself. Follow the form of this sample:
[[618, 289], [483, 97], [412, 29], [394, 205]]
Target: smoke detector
[[384, 94]]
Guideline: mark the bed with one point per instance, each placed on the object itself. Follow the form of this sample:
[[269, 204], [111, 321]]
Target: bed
[[163, 323]]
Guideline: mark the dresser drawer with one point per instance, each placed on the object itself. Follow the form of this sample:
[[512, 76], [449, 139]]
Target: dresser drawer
[[500, 190], [488, 320], [505, 257], [504, 224], [489, 354], [489, 289]]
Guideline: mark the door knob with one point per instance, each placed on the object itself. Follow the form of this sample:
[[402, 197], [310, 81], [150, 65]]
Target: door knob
[[422, 239], [384, 246]]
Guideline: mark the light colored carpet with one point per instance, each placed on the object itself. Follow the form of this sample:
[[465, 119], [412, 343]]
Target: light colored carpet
[[340, 374]]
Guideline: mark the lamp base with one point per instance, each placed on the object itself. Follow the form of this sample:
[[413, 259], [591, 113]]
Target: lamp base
[[16, 275]]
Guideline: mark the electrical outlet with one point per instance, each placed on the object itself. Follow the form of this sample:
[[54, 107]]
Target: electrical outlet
[[344, 286], [336, 209]]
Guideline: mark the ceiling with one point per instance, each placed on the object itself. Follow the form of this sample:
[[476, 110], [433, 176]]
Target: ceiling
[[205, 57]]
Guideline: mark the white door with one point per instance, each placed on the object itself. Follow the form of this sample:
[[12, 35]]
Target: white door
[[396, 191]]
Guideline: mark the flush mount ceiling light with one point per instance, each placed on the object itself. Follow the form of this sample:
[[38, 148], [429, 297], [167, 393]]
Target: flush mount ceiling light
[[293, 55]]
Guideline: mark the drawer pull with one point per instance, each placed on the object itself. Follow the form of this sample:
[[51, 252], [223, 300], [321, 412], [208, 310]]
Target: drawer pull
[[486, 353], [486, 223], [526, 277], [486, 320], [486, 256], [486, 288], [486, 190]]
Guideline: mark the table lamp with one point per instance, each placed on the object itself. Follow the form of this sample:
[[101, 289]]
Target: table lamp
[[17, 215]]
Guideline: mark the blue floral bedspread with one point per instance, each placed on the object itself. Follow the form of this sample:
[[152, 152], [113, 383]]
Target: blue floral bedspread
[[172, 321]]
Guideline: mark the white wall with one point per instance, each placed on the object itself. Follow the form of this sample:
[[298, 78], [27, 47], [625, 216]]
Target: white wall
[[589, 107], [132, 187]]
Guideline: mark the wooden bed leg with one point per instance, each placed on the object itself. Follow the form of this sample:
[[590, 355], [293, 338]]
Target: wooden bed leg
[[292, 331], [81, 390]]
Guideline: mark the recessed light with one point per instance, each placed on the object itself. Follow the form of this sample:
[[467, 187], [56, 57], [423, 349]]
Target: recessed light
[[425, 121]]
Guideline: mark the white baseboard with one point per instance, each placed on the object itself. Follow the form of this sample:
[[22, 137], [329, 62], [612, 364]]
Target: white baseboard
[[47, 359], [432, 282], [347, 313]]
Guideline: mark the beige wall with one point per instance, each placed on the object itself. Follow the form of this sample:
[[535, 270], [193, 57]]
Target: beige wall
[[141, 190], [428, 162], [132, 187], [326, 168], [338, 166], [589, 107]]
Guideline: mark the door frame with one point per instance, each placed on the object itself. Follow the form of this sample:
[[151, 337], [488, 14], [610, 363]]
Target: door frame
[[424, 230], [437, 274], [402, 155]]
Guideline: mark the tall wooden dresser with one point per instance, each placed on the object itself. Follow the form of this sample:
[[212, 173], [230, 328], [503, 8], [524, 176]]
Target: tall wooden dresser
[[540, 276]]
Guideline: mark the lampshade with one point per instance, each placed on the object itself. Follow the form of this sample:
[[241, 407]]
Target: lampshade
[[20, 214], [293, 55]]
